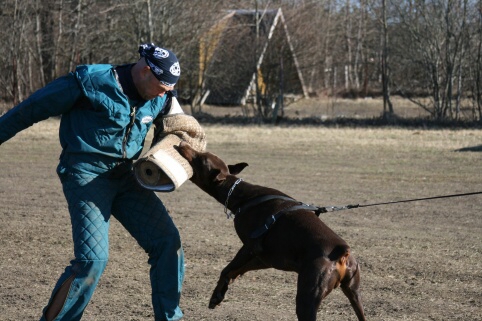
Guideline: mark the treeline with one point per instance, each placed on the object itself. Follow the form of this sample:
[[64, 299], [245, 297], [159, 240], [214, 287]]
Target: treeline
[[427, 51]]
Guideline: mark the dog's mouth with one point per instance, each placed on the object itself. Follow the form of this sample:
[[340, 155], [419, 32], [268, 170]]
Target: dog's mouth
[[185, 150]]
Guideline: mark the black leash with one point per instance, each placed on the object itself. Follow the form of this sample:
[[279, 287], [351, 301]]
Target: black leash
[[317, 209], [346, 207]]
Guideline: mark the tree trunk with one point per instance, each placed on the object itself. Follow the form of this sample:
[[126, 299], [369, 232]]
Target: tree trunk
[[150, 29], [259, 106], [328, 61], [387, 104], [16, 42], [74, 55], [349, 54], [478, 65], [38, 38], [55, 57]]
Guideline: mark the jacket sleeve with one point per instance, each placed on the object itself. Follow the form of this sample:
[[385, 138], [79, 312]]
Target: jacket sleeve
[[54, 99]]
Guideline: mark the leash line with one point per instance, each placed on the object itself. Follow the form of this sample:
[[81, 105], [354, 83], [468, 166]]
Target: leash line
[[316, 209], [339, 208]]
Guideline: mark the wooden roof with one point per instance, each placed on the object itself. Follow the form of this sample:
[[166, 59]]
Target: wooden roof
[[230, 57]]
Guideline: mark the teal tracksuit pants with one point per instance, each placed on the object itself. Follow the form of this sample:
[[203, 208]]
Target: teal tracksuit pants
[[92, 200]]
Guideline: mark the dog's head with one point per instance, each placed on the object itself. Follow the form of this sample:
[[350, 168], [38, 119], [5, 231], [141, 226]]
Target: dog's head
[[208, 169]]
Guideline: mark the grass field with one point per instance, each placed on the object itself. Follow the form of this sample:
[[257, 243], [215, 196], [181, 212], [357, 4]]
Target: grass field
[[419, 260]]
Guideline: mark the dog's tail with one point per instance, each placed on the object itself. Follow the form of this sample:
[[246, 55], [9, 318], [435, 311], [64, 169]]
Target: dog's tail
[[340, 255], [339, 251]]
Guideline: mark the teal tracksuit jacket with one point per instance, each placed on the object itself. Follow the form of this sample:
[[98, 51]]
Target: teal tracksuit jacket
[[97, 117]]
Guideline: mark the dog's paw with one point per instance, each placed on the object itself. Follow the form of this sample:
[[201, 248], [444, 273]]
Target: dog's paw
[[216, 299]]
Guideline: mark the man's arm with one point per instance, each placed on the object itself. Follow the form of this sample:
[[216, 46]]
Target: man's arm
[[53, 100]]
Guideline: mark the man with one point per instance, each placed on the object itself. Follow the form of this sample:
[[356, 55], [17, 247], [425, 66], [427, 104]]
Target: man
[[106, 113]]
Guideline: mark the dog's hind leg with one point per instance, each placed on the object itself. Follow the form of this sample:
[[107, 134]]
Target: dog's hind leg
[[350, 287], [313, 286], [243, 262]]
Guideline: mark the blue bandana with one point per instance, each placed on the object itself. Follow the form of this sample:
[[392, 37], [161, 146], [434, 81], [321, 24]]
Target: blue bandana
[[163, 63]]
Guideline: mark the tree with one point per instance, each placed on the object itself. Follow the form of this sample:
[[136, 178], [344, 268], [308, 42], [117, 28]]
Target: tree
[[435, 42], [387, 104]]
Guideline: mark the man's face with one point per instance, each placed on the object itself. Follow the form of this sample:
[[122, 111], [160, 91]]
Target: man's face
[[150, 87]]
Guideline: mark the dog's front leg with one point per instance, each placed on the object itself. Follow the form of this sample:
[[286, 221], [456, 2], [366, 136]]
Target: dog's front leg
[[243, 262]]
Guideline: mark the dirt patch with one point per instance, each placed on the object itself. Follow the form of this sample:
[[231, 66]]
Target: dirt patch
[[419, 261]]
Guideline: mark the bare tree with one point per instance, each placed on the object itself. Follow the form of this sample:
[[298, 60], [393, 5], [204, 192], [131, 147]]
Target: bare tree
[[18, 24], [387, 104], [477, 70], [435, 46], [58, 41]]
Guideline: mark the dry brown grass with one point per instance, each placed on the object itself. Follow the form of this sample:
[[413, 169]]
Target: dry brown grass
[[419, 260]]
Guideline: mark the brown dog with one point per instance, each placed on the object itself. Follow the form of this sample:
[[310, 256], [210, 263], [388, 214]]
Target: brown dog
[[277, 232]]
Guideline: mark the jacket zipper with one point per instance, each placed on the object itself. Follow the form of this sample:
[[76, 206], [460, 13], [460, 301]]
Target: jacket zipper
[[128, 131]]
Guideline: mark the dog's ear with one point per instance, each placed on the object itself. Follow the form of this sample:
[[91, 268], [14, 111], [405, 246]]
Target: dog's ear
[[237, 168]]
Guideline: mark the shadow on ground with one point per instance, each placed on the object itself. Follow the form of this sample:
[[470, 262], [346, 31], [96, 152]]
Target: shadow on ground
[[470, 149]]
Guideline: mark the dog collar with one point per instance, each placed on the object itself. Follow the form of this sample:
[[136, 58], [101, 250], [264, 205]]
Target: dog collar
[[230, 214]]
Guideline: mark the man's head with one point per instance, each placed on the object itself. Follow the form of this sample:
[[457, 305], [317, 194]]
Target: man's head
[[156, 72], [163, 63]]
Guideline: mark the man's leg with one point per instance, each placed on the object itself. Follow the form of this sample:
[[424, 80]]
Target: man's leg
[[142, 213], [89, 199]]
